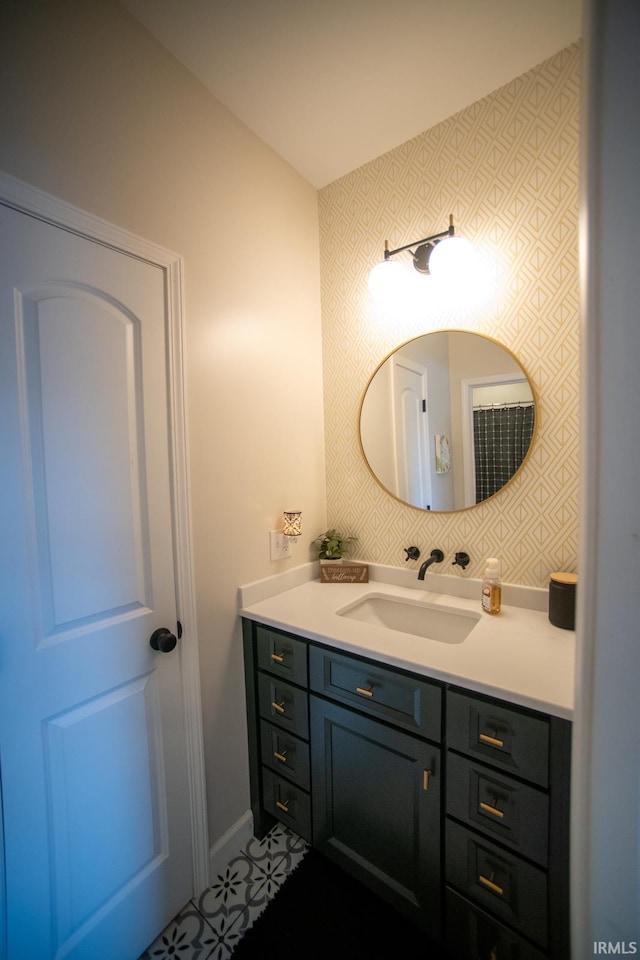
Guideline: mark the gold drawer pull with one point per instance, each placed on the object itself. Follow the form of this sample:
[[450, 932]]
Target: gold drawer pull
[[364, 691], [493, 810], [277, 657], [491, 740], [278, 706], [491, 885], [281, 757], [283, 806], [425, 779]]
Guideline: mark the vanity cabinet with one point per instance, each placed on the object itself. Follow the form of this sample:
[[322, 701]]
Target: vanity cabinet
[[451, 805]]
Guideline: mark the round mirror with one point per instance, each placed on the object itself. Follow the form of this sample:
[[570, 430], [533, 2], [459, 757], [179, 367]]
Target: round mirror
[[446, 420]]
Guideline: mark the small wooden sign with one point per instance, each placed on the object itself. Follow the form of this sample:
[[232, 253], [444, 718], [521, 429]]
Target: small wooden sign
[[344, 572]]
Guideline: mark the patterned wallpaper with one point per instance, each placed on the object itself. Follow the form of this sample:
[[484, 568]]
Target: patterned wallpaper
[[507, 168]]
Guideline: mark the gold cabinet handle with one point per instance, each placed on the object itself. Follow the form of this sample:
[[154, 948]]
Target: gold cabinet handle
[[278, 706], [485, 738], [364, 691], [491, 885], [425, 779], [277, 657], [283, 806], [281, 756], [492, 810]]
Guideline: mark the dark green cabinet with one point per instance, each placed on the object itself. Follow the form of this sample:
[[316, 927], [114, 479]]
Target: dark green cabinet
[[451, 805], [376, 807]]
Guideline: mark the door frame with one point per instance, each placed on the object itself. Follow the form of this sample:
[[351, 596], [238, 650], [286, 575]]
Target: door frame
[[36, 203], [468, 448]]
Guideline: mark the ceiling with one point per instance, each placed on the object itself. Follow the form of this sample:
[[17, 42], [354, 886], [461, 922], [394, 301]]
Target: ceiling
[[332, 84]]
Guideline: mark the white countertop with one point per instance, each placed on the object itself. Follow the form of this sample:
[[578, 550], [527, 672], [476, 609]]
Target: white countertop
[[516, 655]]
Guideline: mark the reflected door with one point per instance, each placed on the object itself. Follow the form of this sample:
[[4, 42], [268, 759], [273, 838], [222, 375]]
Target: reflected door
[[93, 753], [411, 432]]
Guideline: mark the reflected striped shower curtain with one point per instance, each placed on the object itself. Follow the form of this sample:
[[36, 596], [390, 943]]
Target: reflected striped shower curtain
[[501, 437]]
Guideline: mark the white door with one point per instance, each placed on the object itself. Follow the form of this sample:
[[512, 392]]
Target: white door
[[411, 429], [93, 762]]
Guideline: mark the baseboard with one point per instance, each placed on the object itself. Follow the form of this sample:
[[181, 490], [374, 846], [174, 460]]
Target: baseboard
[[230, 844]]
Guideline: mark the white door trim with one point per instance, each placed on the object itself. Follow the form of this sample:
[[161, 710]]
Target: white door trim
[[468, 449], [30, 200], [605, 843]]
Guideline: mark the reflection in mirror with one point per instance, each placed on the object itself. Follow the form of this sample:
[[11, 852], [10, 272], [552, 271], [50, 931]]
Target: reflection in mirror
[[446, 420]]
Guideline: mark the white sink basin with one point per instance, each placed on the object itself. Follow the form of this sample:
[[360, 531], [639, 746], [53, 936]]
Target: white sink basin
[[417, 617]]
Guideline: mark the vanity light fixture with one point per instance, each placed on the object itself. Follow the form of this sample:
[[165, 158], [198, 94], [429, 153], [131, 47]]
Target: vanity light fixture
[[442, 255], [292, 524]]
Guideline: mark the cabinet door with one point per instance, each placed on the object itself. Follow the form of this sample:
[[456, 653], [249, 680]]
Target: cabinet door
[[376, 808]]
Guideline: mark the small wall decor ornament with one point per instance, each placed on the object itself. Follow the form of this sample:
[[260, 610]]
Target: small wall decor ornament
[[337, 571]]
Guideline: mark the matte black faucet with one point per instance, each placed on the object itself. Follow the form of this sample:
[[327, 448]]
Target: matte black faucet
[[436, 556]]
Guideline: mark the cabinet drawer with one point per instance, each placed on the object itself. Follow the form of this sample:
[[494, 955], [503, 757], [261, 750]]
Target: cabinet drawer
[[503, 808], [287, 803], [286, 755], [473, 933], [398, 698], [499, 735], [284, 705], [281, 654], [500, 882]]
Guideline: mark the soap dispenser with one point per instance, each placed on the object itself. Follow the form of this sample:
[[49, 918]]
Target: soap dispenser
[[491, 587]]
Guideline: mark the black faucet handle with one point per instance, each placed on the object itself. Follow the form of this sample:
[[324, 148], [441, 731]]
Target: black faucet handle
[[462, 560], [412, 553]]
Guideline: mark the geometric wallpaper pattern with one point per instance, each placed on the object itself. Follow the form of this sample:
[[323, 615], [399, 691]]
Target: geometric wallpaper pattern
[[507, 169]]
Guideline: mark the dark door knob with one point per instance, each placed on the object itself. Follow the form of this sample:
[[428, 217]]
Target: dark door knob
[[163, 640]]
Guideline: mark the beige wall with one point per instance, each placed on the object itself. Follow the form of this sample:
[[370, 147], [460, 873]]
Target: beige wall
[[507, 168], [96, 112]]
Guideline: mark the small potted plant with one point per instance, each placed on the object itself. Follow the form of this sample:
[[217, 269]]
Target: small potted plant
[[333, 545]]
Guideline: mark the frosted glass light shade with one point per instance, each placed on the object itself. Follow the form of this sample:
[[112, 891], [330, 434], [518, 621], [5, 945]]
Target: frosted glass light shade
[[292, 523], [388, 280], [452, 259]]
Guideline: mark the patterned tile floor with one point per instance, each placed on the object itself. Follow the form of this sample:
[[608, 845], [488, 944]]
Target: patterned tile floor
[[210, 925]]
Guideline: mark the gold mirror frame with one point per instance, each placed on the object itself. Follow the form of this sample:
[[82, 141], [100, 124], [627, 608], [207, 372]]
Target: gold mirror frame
[[517, 365]]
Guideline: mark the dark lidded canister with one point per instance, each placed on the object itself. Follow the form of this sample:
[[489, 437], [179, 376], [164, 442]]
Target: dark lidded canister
[[562, 600]]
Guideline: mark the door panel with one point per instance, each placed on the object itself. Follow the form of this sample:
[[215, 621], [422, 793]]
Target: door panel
[[92, 731], [91, 523], [121, 727]]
